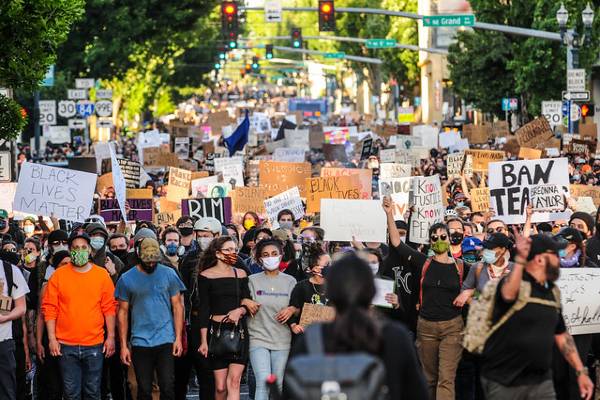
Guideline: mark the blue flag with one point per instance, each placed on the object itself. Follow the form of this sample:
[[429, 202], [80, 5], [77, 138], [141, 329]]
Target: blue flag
[[239, 137]]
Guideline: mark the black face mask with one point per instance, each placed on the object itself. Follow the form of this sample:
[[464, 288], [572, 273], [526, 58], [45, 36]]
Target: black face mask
[[148, 268], [10, 256], [456, 238], [186, 231], [2, 224], [121, 254]]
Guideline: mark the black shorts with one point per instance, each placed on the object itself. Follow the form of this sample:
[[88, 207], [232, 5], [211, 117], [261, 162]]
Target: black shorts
[[223, 361]]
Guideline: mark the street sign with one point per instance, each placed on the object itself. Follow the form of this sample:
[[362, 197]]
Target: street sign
[[380, 43], [77, 123], [85, 108], [273, 11], [576, 80], [66, 108], [77, 94], [509, 104], [104, 94], [104, 108], [104, 123], [340, 54], [84, 83], [6, 92], [58, 134], [47, 112], [49, 77], [551, 110], [575, 114], [5, 166], [576, 96], [438, 21]]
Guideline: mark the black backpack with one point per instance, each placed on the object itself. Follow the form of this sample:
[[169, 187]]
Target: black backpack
[[348, 376], [17, 324]]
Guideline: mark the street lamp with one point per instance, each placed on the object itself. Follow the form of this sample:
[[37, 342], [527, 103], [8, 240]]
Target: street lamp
[[570, 37]]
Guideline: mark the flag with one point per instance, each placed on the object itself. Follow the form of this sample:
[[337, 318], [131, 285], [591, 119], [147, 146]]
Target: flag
[[285, 124], [239, 137]]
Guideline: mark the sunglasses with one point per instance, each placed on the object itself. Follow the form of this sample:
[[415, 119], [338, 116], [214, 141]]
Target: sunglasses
[[560, 225], [434, 238], [499, 229], [59, 242]]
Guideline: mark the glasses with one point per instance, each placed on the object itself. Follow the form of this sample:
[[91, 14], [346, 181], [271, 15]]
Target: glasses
[[11, 250], [59, 242], [560, 225], [434, 238], [499, 229]]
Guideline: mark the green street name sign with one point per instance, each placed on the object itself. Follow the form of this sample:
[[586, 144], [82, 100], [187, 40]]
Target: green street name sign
[[437, 21], [335, 55], [380, 43]]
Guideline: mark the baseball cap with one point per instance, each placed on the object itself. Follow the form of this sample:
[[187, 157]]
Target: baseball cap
[[3, 214], [471, 244], [570, 235], [496, 240], [58, 235], [77, 234], [543, 243], [209, 224], [144, 233]]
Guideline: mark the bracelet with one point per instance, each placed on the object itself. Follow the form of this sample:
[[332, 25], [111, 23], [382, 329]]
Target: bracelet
[[583, 371]]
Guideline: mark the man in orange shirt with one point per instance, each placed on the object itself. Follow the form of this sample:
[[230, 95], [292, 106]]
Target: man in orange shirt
[[78, 302]]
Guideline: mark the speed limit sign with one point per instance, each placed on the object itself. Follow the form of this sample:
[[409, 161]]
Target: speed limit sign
[[66, 108], [47, 112], [552, 111], [104, 108]]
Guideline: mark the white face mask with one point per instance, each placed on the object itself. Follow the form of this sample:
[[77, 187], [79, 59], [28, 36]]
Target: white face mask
[[204, 242], [374, 268], [60, 247], [270, 263]]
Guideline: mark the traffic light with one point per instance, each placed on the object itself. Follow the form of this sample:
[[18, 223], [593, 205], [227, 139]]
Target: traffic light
[[326, 16], [297, 38], [587, 110], [248, 68], [217, 66], [269, 52], [229, 16], [255, 64], [222, 53]]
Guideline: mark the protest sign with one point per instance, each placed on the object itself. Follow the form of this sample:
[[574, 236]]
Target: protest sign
[[131, 172], [586, 191], [428, 207], [428, 135], [481, 158], [102, 152], [399, 190], [179, 184], [190, 165], [182, 147], [364, 177], [288, 200], [167, 217], [476, 134], [547, 197], [232, 169], [383, 287], [45, 190], [511, 184], [334, 152], [104, 183], [119, 184], [157, 157], [343, 220], [218, 208], [145, 193], [588, 131], [333, 187], [534, 133], [299, 138], [500, 129], [585, 147], [585, 204], [336, 135], [84, 164], [580, 299], [276, 177], [460, 145], [366, 148], [139, 209], [200, 186], [248, 199], [165, 205], [287, 154], [448, 139], [316, 136], [387, 155], [454, 164], [394, 170], [526, 153], [7, 195], [221, 189], [480, 199], [315, 313]]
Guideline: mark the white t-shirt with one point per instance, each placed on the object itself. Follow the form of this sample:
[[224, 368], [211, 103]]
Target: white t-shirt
[[19, 290]]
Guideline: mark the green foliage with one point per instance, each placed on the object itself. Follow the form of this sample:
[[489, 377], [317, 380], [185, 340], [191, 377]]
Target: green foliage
[[12, 121]]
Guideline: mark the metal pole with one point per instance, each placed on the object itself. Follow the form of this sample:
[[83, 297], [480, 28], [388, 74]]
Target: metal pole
[[36, 125], [367, 60]]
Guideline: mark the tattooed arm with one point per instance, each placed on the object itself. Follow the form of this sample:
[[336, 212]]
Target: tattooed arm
[[567, 347]]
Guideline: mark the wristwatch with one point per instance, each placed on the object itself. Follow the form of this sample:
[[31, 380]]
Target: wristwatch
[[583, 371]]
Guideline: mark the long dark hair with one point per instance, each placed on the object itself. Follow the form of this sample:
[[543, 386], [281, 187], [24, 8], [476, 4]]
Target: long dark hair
[[350, 288], [208, 259]]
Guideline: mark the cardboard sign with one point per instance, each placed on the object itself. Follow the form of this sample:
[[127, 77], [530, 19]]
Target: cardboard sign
[[585, 147], [334, 152], [526, 153], [288, 200], [179, 184], [547, 197], [246, 199], [481, 158], [139, 209], [428, 207], [314, 313], [534, 133], [157, 157], [276, 177], [218, 208], [316, 136], [586, 191], [511, 184], [580, 299], [200, 185], [145, 193], [286, 154], [165, 205], [182, 147], [399, 190], [334, 187], [167, 218], [364, 177], [45, 190], [480, 199], [131, 172], [394, 170], [477, 134], [232, 169], [457, 164], [588, 131], [344, 220], [500, 129]]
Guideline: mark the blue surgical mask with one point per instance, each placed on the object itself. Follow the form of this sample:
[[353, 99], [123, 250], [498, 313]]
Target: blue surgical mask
[[562, 253], [489, 256], [97, 242], [172, 249]]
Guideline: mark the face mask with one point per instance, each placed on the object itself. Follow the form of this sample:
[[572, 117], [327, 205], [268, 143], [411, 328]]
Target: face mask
[[576, 177], [2, 224], [60, 247], [403, 239], [28, 229], [230, 259], [97, 242], [29, 258], [270, 263], [489, 256], [186, 231], [249, 224], [10, 256], [374, 267], [171, 249], [562, 253], [80, 257], [204, 242], [456, 238], [460, 203], [570, 262], [470, 258], [121, 254], [286, 225], [440, 247]]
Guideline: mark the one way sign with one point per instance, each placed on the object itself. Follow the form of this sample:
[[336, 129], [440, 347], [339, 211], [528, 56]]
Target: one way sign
[[272, 11], [576, 96]]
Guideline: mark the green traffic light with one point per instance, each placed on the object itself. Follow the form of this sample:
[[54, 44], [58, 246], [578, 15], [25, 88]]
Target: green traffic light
[[217, 66], [269, 56], [222, 56], [296, 43], [232, 45]]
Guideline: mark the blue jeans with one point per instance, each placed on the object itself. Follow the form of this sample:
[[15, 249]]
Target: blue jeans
[[265, 362], [81, 368]]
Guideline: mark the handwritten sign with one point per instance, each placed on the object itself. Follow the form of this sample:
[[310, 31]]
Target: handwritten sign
[[333, 187], [248, 199], [482, 158], [131, 172], [387, 155], [179, 184], [218, 208], [428, 207], [288, 200], [312, 313], [477, 134], [139, 209], [344, 219], [534, 133], [232, 169], [394, 170], [580, 299], [287, 154], [276, 177], [547, 197], [45, 190], [457, 165], [480, 199], [586, 191], [399, 190], [167, 218], [364, 178], [157, 157]]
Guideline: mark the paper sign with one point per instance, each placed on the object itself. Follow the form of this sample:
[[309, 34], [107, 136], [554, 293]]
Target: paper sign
[[428, 135], [232, 169], [585, 204], [218, 208], [399, 190], [364, 177], [387, 155], [526, 153], [299, 139], [586, 191], [481, 158], [534, 133], [139, 210], [428, 207], [131, 172], [364, 220], [45, 190], [547, 197], [336, 135], [480, 199], [382, 287], [580, 299], [394, 170], [200, 186], [334, 187], [167, 218], [182, 147], [7, 195], [288, 200], [287, 154], [246, 199], [448, 139], [312, 313], [456, 164], [511, 184], [276, 177], [179, 184]]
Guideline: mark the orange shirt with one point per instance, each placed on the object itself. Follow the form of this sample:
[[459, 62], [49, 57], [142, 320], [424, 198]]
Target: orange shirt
[[79, 302]]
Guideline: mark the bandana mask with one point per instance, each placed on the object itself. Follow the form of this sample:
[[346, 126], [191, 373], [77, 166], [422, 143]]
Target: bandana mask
[[80, 257]]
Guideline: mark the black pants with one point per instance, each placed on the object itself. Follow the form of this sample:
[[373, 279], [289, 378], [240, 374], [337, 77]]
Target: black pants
[[8, 380], [114, 378], [194, 360], [147, 360], [48, 380], [23, 390]]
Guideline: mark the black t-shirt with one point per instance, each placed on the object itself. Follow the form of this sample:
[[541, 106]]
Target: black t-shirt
[[440, 287], [520, 351], [306, 292], [406, 286]]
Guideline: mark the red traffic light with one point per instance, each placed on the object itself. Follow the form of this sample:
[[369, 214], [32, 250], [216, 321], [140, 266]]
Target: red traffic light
[[587, 110], [229, 8], [326, 8], [326, 16]]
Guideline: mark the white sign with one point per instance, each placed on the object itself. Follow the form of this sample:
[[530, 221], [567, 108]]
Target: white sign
[[63, 193], [7, 195], [428, 135], [77, 123], [87, 83], [575, 112], [59, 134], [272, 11], [232, 169], [299, 138], [576, 80], [382, 287], [344, 220], [5, 166], [511, 182], [104, 108], [287, 154], [47, 112], [399, 190], [547, 197], [119, 183], [77, 94], [104, 123], [66, 108], [552, 111], [428, 207], [394, 170], [200, 185], [387, 155], [288, 200], [102, 151], [104, 94], [580, 299]]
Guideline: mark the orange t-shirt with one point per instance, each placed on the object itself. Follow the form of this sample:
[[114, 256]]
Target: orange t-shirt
[[79, 302]]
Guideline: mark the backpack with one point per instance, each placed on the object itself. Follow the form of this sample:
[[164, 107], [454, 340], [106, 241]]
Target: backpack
[[460, 268], [349, 376], [479, 326], [17, 324]]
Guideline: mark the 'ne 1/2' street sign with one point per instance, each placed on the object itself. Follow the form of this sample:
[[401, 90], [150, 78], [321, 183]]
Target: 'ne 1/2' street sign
[[380, 43], [576, 96], [340, 54], [437, 21]]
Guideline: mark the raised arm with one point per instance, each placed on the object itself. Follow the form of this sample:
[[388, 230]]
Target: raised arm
[[510, 288]]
